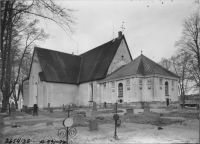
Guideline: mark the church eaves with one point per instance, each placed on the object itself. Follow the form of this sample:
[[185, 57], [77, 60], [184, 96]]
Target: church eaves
[[61, 67], [140, 66]]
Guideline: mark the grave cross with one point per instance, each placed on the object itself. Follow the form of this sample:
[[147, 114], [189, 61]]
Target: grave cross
[[68, 122], [116, 118], [68, 111]]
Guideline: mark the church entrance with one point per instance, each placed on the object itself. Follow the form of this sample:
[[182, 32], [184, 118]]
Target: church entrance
[[167, 101], [120, 92]]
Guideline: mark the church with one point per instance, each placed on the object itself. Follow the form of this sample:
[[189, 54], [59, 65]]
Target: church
[[106, 73]]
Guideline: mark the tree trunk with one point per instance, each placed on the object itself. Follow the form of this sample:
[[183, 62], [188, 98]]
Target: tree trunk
[[5, 101]]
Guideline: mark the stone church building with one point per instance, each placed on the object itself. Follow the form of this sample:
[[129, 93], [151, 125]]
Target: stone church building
[[106, 73]]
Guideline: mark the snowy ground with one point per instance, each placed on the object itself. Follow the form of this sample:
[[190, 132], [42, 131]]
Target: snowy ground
[[36, 129]]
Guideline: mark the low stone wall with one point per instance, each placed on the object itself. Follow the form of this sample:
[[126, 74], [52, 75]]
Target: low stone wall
[[153, 104]]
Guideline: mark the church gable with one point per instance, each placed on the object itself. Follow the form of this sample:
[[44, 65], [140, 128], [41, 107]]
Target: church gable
[[122, 57]]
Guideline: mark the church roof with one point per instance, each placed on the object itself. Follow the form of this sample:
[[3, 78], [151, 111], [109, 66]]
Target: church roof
[[66, 68], [141, 66], [57, 66], [95, 63]]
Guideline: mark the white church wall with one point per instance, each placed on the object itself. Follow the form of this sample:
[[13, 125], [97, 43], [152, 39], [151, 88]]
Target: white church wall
[[33, 81], [58, 94], [40, 94], [26, 92], [84, 91], [121, 57]]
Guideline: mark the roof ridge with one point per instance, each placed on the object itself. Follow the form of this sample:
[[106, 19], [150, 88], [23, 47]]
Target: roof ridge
[[56, 51], [100, 46]]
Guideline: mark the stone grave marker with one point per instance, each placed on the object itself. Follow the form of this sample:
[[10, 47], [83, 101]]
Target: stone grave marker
[[35, 110], [73, 106], [63, 107], [25, 109], [179, 107], [49, 123], [88, 113], [94, 107], [114, 107], [104, 105], [51, 110], [78, 120], [169, 108], [147, 110], [93, 125], [48, 107], [129, 111]]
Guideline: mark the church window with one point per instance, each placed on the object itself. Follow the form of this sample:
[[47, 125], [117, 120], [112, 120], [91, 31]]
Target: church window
[[149, 87], [148, 81], [128, 81], [104, 85], [120, 90], [140, 81], [160, 80], [166, 89], [128, 88], [172, 83], [122, 57], [113, 84]]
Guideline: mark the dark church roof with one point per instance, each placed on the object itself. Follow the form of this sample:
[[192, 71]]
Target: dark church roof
[[57, 66], [66, 68], [141, 66]]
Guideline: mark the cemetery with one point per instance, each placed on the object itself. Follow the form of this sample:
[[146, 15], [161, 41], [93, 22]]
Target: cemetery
[[113, 124]]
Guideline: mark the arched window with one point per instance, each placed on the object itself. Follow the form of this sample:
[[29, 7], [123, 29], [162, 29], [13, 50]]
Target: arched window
[[166, 89], [120, 90]]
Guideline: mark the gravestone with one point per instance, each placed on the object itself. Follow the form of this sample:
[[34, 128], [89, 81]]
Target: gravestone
[[147, 110], [48, 107], [25, 109], [88, 113], [109, 105], [114, 107], [73, 106], [104, 105], [35, 110], [63, 107], [93, 125], [94, 107], [29, 110], [129, 111], [51, 110], [179, 107], [169, 108], [49, 123], [78, 120]]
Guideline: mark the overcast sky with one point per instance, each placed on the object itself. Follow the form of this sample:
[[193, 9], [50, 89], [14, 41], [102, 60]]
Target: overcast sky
[[152, 27]]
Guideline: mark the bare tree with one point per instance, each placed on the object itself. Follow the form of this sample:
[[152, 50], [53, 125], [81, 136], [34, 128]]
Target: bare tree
[[190, 41], [15, 36], [165, 63], [180, 65]]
